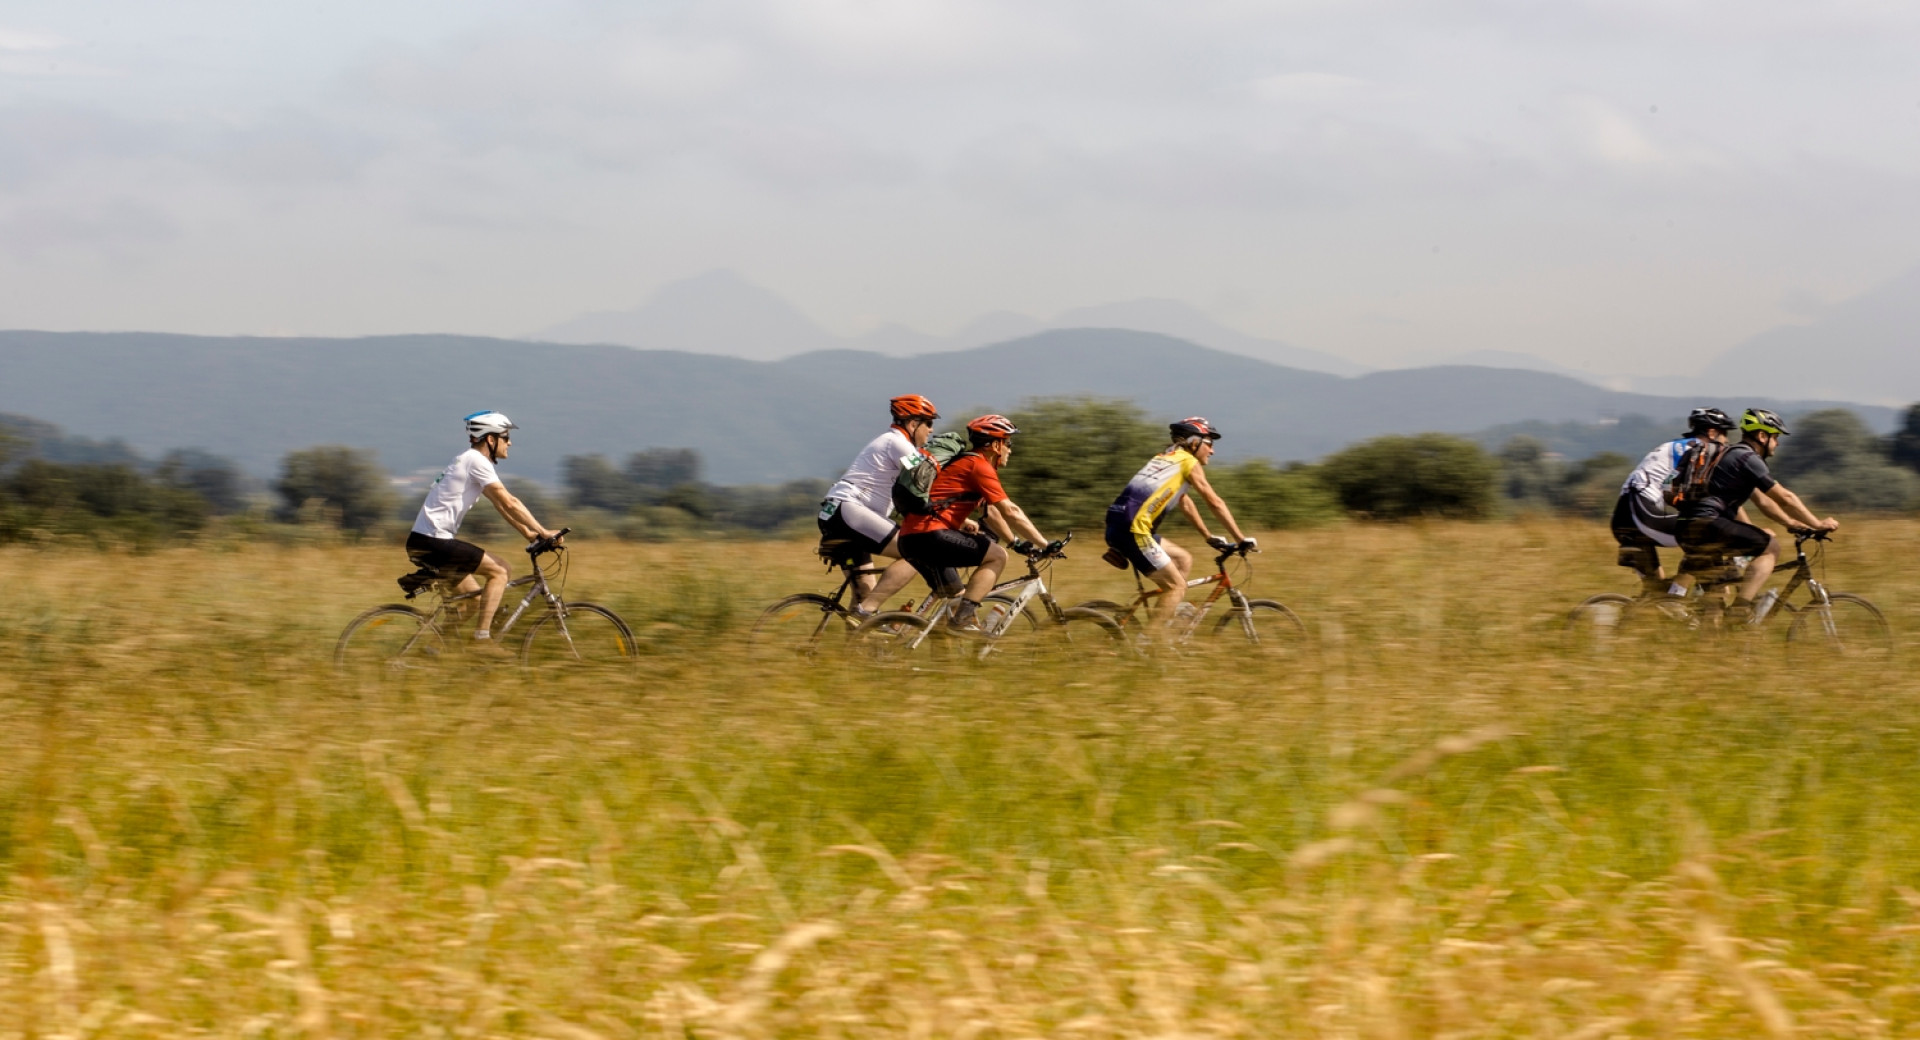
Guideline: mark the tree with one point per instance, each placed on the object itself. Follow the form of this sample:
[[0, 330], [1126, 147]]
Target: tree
[[593, 483], [1396, 477], [1072, 457], [1527, 475], [343, 482], [661, 468], [1903, 448], [213, 478], [1266, 498], [1833, 461]]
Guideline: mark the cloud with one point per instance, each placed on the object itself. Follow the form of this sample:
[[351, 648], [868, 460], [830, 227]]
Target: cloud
[[1289, 87], [12, 39], [116, 227]]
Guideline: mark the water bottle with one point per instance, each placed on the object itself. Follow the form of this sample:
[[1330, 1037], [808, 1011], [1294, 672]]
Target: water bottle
[[1762, 605]]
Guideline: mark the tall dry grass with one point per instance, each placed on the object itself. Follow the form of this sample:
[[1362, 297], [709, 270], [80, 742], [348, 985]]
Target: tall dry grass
[[1441, 823]]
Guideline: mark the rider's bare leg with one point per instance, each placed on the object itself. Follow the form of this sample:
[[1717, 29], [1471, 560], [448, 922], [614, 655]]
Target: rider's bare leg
[[984, 576], [1760, 569], [494, 570], [878, 589], [1172, 580]]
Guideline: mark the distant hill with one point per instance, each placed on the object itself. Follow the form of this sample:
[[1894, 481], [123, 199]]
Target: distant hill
[[254, 399], [1863, 349], [720, 312]]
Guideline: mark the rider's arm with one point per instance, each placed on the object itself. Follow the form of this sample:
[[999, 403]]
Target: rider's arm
[[1192, 513], [1198, 478], [1786, 507], [1012, 515], [515, 512]]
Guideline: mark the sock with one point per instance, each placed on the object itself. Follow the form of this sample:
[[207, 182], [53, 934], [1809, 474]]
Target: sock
[[483, 635], [964, 612]]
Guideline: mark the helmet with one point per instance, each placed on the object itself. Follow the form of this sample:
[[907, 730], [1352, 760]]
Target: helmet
[[992, 427], [913, 406], [1762, 420], [481, 423], [1194, 426], [1709, 419]]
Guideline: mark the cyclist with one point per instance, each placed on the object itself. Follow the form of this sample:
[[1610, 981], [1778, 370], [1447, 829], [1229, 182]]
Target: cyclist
[[1642, 521], [857, 507], [1714, 522], [947, 538], [432, 545], [1133, 520]]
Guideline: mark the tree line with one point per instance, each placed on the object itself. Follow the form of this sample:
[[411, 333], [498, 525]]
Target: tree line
[[1072, 459]]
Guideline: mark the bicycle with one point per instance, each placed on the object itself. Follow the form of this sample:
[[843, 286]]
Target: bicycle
[[1597, 618], [1285, 634], [800, 623], [395, 638], [1841, 622], [1007, 626]]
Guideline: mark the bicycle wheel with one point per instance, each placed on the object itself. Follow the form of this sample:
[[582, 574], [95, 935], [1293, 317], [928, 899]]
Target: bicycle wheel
[[589, 638], [1086, 630], [801, 625], [1596, 621], [891, 636], [1269, 628], [1664, 618], [1847, 625], [389, 640]]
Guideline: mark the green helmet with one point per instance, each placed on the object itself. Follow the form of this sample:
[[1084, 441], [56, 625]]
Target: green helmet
[[1763, 421]]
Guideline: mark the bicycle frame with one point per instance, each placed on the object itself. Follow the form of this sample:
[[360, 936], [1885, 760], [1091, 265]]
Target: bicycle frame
[[1219, 578], [1802, 568], [1032, 585], [538, 591]]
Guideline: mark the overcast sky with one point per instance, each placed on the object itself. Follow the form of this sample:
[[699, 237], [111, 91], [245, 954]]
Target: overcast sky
[[1604, 184]]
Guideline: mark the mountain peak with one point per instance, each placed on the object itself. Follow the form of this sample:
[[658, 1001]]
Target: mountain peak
[[717, 312]]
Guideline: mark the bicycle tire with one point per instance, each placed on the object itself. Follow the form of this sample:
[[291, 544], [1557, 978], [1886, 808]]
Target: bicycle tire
[[389, 639], [1596, 621], [1283, 634], [888, 636], [1663, 617], [1087, 630], [1119, 612], [591, 638], [1847, 625], [800, 625]]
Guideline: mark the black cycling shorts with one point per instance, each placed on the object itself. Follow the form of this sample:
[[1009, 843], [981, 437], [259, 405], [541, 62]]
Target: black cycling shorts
[[1721, 535], [937, 554], [1640, 532], [449, 558], [859, 549]]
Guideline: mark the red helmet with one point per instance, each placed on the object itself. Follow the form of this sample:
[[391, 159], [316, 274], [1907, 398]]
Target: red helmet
[[1193, 426], [992, 427], [913, 406]]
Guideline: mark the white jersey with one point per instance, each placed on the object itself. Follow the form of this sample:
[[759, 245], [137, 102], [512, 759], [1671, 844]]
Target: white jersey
[[869, 481], [453, 493], [1649, 479]]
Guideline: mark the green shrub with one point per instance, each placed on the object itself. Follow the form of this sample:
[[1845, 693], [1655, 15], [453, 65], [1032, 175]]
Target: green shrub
[[1397, 477]]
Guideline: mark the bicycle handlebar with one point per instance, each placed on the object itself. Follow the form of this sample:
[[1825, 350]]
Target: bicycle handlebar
[[542, 545], [1239, 550], [1808, 534]]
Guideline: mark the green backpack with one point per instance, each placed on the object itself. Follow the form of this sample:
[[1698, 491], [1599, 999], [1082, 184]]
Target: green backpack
[[913, 488]]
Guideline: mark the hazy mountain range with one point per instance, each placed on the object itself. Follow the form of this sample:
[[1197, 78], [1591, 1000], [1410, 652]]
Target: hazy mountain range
[[1863, 349], [255, 399]]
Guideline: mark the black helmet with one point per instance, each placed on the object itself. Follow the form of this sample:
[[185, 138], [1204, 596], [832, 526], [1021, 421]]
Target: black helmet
[[1709, 419], [1193, 426]]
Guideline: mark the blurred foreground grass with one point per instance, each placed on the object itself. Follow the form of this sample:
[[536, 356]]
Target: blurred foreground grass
[[1440, 824]]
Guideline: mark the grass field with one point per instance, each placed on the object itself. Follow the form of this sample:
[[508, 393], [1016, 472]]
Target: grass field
[[1440, 823]]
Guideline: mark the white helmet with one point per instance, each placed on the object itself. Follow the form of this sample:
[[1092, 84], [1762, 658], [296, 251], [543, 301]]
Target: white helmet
[[481, 423]]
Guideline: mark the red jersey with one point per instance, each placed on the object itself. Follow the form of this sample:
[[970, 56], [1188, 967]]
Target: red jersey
[[964, 485]]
